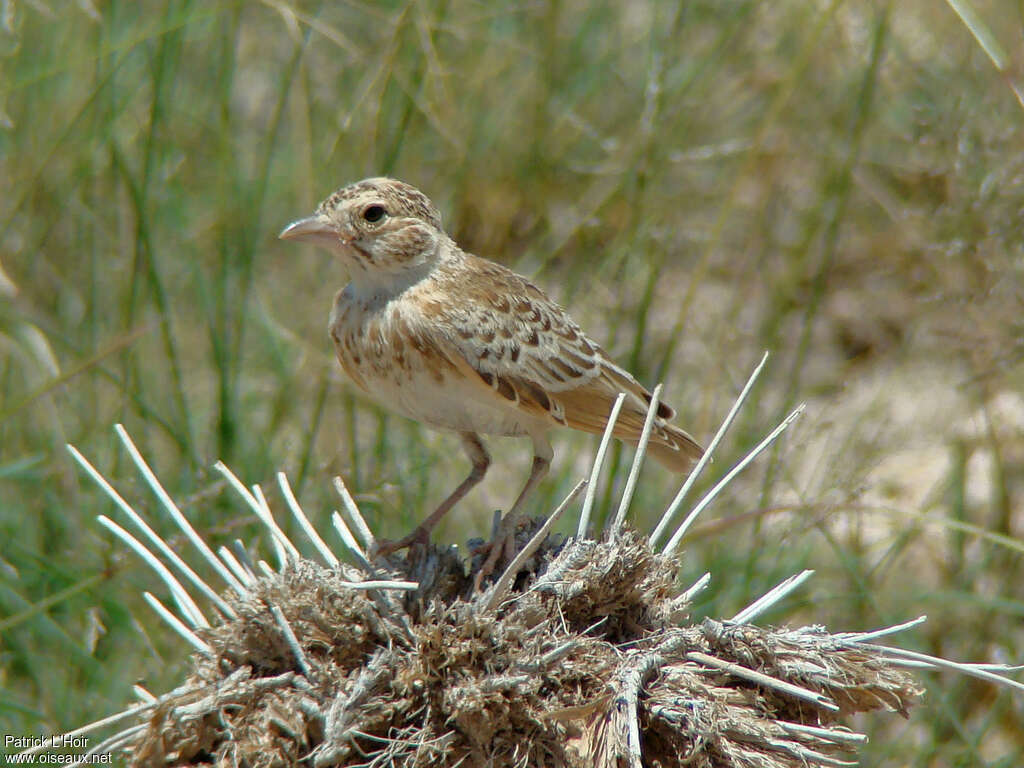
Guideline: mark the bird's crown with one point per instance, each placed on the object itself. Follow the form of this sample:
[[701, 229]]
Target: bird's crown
[[392, 197]]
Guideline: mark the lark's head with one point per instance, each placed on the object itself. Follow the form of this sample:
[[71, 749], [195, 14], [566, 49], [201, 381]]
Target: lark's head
[[375, 225]]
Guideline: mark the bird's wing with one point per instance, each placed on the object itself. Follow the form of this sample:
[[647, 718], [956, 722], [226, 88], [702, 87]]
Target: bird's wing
[[503, 332]]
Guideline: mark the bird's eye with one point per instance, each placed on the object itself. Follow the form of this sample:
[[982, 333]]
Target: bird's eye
[[374, 213]]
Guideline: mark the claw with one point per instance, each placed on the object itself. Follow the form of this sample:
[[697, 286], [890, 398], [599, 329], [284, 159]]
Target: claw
[[503, 546], [496, 547], [384, 547]]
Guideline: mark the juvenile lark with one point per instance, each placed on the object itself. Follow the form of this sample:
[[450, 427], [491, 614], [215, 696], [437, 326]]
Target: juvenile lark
[[461, 343]]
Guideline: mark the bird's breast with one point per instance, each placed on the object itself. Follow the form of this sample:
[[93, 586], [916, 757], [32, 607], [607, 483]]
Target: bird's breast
[[385, 350]]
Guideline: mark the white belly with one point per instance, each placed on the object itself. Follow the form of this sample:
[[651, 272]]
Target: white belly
[[449, 404]]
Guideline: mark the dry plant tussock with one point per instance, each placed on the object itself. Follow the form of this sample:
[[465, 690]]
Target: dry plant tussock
[[584, 651]]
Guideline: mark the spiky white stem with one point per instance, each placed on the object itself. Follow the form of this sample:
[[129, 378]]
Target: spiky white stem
[[677, 502], [381, 599], [350, 543], [242, 556], [595, 472], [108, 746], [236, 567], [175, 623], [186, 604], [994, 667], [813, 757], [254, 505], [152, 535], [771, 597], [117, 717], [238, 486], [496, 594], [638, 460], [698, 586], [861, 637], [172, 509], [277, 535], [292, 641], [835, 735], [401, 586], [974, 670], [280, 553], [744, 673], [721, 484], [355, 517], [300, 516], [142, 694]]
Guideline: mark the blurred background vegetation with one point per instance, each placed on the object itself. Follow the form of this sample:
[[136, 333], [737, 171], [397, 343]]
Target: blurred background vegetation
[[839, 183]]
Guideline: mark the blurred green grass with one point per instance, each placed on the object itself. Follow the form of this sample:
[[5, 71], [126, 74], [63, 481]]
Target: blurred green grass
[[838, 183]]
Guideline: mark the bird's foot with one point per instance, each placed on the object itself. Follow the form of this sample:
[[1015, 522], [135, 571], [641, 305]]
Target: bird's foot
[[502, 545], [419, 536]]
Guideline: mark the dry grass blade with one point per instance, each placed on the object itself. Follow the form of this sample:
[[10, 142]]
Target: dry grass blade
[[175, 623], [973, 670], [307, 527], [638, 461], [292, 640], [677, 502], [771, 597], [152, 535], [172, 509], [493, 597], [278, 537], [186, 604], [236, 566], [595, 471], [765, 681], [356, 518], [721, 484]]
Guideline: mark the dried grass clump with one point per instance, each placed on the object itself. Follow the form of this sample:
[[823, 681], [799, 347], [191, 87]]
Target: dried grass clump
[[589, 651], [581, 652]]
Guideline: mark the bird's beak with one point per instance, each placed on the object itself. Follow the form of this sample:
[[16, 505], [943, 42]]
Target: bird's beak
[[313, 229]]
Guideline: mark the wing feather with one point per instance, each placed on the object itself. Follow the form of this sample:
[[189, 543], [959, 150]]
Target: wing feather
[[523, 347]]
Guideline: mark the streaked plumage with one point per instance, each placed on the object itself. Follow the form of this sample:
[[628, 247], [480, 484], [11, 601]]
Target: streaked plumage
[[461, 343]]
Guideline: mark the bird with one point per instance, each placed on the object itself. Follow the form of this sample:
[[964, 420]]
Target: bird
[[463, 344]]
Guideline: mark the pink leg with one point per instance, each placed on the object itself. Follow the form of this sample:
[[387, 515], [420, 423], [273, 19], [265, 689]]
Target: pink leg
[[477, 453], [505, 540]]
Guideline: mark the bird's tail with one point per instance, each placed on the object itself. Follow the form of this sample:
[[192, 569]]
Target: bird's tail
[[674, 449]]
